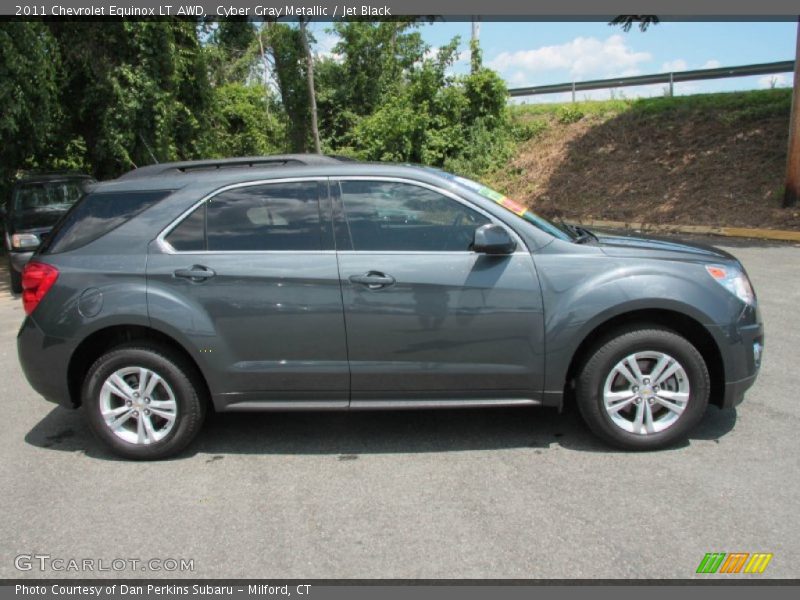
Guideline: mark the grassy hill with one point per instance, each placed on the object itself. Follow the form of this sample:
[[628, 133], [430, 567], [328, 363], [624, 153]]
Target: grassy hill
[[711, 159]]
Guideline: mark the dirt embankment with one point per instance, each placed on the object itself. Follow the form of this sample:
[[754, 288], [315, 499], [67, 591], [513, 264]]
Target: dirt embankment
[[716, 160]]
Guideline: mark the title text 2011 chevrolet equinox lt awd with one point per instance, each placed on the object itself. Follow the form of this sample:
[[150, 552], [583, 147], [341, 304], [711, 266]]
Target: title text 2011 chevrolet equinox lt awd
[[308, 282]]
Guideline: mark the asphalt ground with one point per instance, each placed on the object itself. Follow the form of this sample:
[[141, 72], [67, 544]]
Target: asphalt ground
[[494, 493]]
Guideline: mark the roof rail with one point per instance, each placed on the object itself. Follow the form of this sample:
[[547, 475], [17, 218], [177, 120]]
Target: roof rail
[[278, 160]]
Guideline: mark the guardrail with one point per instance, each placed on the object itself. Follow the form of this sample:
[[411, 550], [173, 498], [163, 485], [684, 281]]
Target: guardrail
[[670, 78]]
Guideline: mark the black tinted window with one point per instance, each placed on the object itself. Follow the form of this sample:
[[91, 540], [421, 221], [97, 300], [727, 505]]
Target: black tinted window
[[385, 215], [47, 195], [279, 216], [97, 214], [190, 234]]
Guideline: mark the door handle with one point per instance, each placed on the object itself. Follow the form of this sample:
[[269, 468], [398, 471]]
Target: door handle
[[374, 280], [195, 273]]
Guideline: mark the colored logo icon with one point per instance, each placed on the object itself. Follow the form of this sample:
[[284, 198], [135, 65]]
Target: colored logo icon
[[734, 562]]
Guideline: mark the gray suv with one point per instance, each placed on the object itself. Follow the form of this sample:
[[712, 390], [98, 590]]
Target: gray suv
[[306, 282]]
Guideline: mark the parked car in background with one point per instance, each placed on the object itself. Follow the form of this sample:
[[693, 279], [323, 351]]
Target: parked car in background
[[302, 282], [37, 202]]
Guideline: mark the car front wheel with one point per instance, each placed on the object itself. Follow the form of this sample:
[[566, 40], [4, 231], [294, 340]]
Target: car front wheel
[[143, 402], [644, 389]]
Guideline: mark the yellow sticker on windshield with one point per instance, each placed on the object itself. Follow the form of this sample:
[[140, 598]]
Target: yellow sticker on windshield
[[514, 207], [504, 201]]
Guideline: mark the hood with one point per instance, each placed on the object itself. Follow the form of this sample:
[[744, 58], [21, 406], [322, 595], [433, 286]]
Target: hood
[[652, 247]]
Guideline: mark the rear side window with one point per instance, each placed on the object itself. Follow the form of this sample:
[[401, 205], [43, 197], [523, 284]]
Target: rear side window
[[96, 215], [278, 216]]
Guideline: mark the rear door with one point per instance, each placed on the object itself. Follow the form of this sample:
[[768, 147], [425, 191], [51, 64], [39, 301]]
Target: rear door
[[251, 277], [426, 317]]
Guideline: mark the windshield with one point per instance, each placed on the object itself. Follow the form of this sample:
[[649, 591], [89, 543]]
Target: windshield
[[47, 195], [512, 206]]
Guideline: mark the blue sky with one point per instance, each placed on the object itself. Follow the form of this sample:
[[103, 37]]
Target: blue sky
[[539, 52]]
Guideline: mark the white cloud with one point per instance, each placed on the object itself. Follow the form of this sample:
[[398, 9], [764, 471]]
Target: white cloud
[[770, 81], [674, 65], [324, 45], [711, 64], [461, 56], [582, 58]]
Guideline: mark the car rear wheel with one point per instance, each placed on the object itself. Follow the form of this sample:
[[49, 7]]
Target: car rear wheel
[[143, 402], [643, 389], [16, 279]]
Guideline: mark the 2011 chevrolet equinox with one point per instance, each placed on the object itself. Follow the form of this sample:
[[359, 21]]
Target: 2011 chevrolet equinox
[[309, 282]]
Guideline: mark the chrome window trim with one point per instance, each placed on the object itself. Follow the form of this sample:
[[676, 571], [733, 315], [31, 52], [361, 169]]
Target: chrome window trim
[[167, 248]]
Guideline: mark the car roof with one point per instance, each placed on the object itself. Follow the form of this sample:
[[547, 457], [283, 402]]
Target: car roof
[[215, 165], [213, 177], [52, 176]]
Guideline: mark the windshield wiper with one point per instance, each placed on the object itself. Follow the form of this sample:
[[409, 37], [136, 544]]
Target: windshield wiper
[[581, 233], [584, 235]]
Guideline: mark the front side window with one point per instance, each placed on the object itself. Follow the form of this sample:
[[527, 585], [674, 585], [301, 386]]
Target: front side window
[[394, 216], [277, 216]]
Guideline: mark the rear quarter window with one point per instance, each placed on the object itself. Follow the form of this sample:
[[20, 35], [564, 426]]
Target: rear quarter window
[[96, 215]]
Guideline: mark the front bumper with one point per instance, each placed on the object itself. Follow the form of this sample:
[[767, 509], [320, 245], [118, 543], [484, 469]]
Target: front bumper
[[19, 259], [741, 345]]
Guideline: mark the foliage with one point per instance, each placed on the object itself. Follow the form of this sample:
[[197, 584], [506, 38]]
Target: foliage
[[627, 21], [136, 91], [245, 123], [414, 110], [725, 106], [105, 97], [569, 114], [28, 95], [290, 72]]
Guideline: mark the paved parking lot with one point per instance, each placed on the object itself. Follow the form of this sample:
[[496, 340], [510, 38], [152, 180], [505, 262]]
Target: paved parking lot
[[519, 493]]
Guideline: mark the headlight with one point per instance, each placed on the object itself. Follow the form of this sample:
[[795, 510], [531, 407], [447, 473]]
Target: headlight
[[24, 240], [734, 280]]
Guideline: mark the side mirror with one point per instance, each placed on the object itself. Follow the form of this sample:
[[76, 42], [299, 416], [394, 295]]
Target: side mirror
[[493, 239]]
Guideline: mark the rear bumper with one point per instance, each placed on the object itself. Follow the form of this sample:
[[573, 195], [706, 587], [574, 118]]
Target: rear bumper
[[19, 259], [44, 361]]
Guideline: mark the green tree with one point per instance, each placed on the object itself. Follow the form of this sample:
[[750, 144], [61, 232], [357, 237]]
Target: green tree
[[627, 21], [231, 50], [138, 91], [244, 124], [286, 48], [29, 61]]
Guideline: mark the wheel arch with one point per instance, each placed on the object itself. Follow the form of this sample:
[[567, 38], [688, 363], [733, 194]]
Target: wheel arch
[[100, 341], [676, 321]]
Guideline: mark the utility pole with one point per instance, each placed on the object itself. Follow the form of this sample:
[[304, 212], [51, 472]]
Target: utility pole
[[264, 63], [475, 45], [791, 193]]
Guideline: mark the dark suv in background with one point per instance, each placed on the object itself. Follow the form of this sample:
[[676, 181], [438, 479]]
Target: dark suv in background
[[310, 283], [37, 202]]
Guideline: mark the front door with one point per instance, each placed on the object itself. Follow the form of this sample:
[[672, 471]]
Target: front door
[[427, 318], [250, 276]]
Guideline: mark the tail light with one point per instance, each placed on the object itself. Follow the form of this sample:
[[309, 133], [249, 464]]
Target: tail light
[[37, 279]]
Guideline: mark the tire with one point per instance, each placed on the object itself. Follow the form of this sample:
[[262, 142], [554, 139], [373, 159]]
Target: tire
[[16, 279], [174, 406], [616, 409]]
